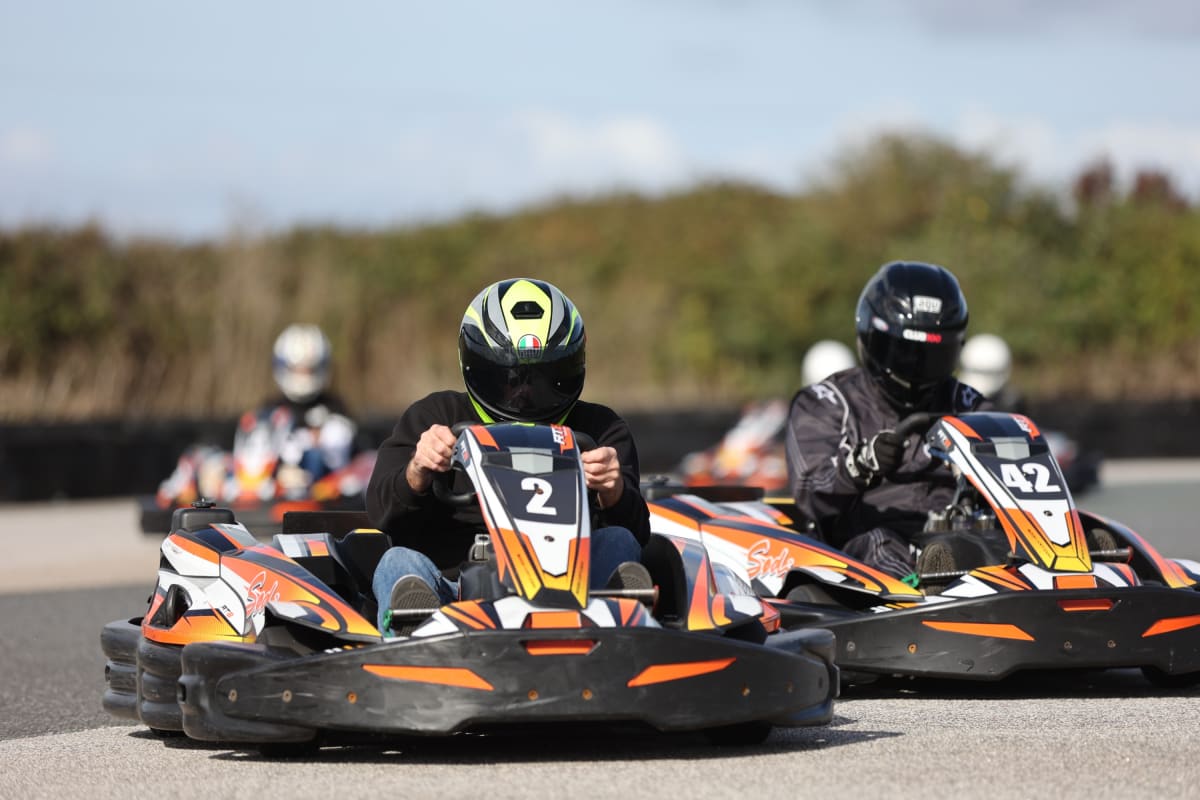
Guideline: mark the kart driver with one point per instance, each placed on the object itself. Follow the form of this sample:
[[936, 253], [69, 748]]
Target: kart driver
[[320, 436], [856, 483], [521, 351], [306, 428]]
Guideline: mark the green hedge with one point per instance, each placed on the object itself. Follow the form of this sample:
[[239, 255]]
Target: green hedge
[[704, 297]]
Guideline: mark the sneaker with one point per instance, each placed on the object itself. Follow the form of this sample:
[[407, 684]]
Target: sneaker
[[630, 575], [1102, 540], [934, 564], [935, 558], [411, 593]]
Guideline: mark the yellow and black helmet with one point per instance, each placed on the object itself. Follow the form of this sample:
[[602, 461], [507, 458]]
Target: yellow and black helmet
[[521, 350]]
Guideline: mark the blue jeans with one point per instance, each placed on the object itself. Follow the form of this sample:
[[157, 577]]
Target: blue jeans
[[610, 547]]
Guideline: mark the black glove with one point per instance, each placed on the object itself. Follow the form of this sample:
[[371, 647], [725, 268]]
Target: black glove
[[877, 457]]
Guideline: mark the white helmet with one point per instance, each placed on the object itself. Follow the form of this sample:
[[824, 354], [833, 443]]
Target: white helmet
[[985, 363], [823, 359], [301, 362]]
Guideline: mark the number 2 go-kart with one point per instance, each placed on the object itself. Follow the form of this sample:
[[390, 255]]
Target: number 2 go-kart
[[1015, 576], [267, 645]]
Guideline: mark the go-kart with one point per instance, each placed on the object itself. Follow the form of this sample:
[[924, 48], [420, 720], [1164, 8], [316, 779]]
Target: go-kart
[[271, 645], [752, 453], [263, 477], [1012, 575]]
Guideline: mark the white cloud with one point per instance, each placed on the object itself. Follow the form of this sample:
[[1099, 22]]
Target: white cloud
[[614, 151], [1053, 155]]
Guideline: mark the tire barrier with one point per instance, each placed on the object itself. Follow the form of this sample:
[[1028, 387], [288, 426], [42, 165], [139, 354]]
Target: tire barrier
[[110, 458]]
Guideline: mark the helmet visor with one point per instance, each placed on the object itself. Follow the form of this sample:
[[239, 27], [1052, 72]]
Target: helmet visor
[[917, 358], [525, 392]]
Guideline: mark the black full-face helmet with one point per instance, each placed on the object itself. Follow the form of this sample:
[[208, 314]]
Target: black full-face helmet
[[521, 349], [911, 321]]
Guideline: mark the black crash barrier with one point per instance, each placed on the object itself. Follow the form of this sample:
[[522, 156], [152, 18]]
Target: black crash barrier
[[108, 458]]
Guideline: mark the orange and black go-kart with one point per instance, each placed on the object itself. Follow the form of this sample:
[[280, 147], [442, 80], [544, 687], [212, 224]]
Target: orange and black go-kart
[[260, 478], [1011, 575], [752, 453], [273, 646]]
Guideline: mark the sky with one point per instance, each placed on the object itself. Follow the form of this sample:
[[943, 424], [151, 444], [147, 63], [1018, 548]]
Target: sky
[[193, 120]]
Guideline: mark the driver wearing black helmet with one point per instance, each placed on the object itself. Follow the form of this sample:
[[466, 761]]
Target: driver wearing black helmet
[[521, 349], [857, 484]]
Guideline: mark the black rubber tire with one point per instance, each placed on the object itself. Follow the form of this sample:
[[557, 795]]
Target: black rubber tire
[[810, 593], [118, 640], [741, 734], [162, 733], [158, 670], [1167, 680]]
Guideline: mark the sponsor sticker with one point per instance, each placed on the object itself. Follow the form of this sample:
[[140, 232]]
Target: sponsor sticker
[[257, 597], [529, 344], [761, 561], [922, 336], [930, 305]]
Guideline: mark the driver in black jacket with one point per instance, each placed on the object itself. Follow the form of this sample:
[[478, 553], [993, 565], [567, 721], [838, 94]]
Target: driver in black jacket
[[857, 484], [521, 350]]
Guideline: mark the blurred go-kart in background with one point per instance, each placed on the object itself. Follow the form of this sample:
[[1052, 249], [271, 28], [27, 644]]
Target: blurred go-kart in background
[[751, 453]]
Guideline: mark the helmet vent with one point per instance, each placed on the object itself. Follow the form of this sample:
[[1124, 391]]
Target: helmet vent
[[527, 309]]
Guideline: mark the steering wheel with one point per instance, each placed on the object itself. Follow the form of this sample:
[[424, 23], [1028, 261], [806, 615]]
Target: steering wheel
[[443, 482], [919, 421]]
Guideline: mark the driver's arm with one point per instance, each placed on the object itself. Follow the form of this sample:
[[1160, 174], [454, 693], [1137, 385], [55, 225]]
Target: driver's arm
[[818, 437], [621, 500], [390, 494]]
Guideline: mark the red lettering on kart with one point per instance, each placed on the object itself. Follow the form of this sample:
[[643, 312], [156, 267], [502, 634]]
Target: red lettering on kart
[[256, 598], [759, 560]]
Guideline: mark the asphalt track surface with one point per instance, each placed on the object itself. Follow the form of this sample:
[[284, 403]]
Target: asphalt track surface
[[70, 568]]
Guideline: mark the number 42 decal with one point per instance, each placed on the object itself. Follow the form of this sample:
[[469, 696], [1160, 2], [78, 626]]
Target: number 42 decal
[[1015, 477]]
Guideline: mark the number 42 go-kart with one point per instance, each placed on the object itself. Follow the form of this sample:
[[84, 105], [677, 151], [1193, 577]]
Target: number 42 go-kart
[[1015, 576], [272, 645]]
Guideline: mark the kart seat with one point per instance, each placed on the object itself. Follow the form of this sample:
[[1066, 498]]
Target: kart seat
[[361, 550], [480, 580], [192, 519], [337, 523], [356, 550], [665, 565]]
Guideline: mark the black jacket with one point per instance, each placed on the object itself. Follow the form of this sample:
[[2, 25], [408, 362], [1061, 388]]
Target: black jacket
[[445, 533], [827, 422]]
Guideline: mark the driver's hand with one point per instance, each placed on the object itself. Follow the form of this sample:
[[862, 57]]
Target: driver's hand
[[602, 472], [877, 457], [432, 455]]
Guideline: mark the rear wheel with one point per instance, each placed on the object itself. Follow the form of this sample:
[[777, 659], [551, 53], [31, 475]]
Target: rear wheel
[[810, 593], [1167, 680]]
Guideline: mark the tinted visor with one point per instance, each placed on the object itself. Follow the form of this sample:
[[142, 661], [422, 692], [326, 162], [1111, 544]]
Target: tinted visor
[[924, 359], [525, 392]]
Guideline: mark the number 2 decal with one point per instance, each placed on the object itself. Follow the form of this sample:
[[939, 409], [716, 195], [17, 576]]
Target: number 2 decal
[[1015, 477], [541, 496]]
